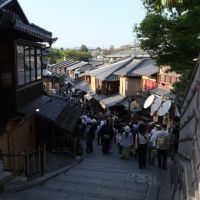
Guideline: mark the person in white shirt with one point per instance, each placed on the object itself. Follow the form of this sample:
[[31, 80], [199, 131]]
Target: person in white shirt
[[151, 144], [154, 135], [126, 142], [162, 143], [102, 122], [118, 138]]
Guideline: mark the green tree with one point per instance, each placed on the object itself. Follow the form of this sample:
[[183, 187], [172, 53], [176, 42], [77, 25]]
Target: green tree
[[169, 32], [54, 55], [84, 48], [58, 55]]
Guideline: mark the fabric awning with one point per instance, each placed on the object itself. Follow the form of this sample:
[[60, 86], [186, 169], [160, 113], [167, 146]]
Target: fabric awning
[[111, 101]]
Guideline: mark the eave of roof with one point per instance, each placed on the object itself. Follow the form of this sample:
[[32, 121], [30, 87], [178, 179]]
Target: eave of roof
[[57, 110], [8, 19], [138, 67], [77, 65], [33, 30], [65, 64], [127, 69]]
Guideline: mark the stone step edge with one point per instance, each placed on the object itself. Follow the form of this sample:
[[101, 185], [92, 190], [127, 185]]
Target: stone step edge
[[108, 186], [40, 180], [89, 194]]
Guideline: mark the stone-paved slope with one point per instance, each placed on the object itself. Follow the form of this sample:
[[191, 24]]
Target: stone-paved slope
[[97, 177]]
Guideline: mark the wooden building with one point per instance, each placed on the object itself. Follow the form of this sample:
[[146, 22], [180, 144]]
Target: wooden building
[[167, 78], [21, 87], [140, 74], [104, 81]]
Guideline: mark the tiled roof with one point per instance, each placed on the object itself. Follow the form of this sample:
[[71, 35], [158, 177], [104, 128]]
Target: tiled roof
[[139, 68], [58, 110], [34, 30], [37, 103], [23, 26], [65, 64], [124, 71], [4, 2], [112, 77], [77, 65], [69, 117], [86, 68], [145, 67], [96, 63], [52, 109], [106, 71]]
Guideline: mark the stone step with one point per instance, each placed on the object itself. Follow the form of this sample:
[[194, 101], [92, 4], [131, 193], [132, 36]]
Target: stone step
[[120, 185], [95, 192]]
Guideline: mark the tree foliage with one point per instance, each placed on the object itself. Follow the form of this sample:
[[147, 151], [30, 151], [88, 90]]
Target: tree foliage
[[84, 48], [59, 55], [170, 32]]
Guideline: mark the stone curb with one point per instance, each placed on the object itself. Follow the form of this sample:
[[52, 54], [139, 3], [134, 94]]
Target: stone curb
[[41, 179], [4, 178]]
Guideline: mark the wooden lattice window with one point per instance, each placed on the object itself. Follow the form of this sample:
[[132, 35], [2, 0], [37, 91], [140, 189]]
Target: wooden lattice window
[[29, 64], [20, 65]]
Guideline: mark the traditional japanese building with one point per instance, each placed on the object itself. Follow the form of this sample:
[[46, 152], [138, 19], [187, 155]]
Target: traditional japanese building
[[26, 113], [140, 74], [104, 81]]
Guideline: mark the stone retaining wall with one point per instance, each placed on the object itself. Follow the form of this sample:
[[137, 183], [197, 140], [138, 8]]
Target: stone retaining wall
[[186, 168]]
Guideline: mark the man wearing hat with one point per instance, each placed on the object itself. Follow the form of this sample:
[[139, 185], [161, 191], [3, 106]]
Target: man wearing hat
[[126, 142]]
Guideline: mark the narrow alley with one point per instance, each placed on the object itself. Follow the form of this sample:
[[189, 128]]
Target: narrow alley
[[97, 177]]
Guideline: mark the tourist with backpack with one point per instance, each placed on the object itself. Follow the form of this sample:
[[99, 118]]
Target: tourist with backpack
[[162, 142]]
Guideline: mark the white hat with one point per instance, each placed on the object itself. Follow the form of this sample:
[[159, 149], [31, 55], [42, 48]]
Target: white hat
[[127, 129], [94, 121]]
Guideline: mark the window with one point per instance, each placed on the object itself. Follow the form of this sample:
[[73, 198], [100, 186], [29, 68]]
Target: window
[[162, 78], [20, 65], [39, 64], [168, 79], [27, 64], [29, 67], [32, 63]]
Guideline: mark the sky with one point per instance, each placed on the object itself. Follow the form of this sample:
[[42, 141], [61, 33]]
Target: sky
[[94, 23]]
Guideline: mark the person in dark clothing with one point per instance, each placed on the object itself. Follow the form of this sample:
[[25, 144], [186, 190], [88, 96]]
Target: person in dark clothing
[[90, 137], [175, 134], [107, 133], [141, 145]]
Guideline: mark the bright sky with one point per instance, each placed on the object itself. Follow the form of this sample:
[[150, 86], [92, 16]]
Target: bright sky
[[95, 23]]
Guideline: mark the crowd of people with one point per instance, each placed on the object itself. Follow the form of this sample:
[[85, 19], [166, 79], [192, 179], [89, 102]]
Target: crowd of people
[[147, 142]]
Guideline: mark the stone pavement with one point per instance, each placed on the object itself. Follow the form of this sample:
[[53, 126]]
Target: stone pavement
[[165, 192], [97, 177]]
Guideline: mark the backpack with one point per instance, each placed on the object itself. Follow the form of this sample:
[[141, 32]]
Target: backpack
[[162, 142]]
